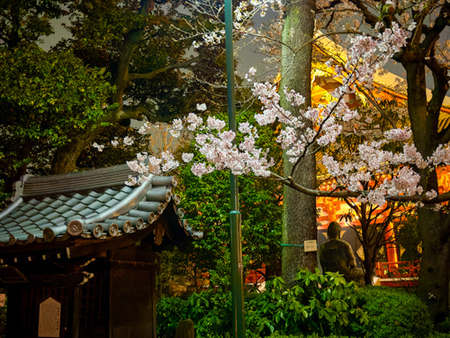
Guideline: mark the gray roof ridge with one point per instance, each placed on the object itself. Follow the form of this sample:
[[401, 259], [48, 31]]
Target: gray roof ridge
[[31, 186]]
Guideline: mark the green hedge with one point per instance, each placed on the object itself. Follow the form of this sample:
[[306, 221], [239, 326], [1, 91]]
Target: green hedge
[[317, 303], [318, 306], [210, 312], [324, 304], [393, 312]]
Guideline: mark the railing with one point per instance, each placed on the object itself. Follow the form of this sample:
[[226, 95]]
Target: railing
[[256, 276], [395, 274], [398, 273]]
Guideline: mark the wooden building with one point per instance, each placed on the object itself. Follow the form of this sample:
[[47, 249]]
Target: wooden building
[[77, 253]]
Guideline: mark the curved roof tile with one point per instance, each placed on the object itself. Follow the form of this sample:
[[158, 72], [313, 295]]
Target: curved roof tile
[[89, 204]]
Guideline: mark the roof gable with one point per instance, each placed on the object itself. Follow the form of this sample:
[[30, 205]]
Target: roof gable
[[94, 204]]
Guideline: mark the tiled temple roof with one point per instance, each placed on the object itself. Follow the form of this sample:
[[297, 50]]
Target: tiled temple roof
[[94, 204]]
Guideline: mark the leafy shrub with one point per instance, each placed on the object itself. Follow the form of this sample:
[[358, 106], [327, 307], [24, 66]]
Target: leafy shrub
[[170, 311], [210, 311], [314, 335], [444, 326], [214, 318], [318, 303], [393, 313], [437, 335]]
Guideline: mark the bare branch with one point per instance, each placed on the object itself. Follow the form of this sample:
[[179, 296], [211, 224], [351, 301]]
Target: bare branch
[[439, 25], [370, 18], [288, 181]]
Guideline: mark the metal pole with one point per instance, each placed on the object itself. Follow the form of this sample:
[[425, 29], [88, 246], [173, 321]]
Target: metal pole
[[237, 283]]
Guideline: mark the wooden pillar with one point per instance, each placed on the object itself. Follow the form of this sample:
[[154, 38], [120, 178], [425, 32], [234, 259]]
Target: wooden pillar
[[74, 309], [391, 248], [13, 324], [132, 293]]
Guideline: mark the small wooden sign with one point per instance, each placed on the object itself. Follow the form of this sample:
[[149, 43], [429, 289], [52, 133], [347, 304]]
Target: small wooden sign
[[310, 245], [2, 299], [49, 318]]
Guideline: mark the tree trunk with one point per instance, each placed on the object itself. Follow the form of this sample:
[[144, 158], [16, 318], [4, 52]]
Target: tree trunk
[[373, 238], [433, 230], [369, 265], [65, 159], [299, 214], [434, 267]]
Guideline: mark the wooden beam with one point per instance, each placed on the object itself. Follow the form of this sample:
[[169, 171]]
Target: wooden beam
[[73, 247]]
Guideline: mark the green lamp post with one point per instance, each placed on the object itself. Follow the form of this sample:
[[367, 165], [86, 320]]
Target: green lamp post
[[237, 283]]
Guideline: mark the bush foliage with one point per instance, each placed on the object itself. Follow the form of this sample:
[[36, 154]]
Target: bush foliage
[[317, 303], [393, 313], [317, 306], [314, 335]]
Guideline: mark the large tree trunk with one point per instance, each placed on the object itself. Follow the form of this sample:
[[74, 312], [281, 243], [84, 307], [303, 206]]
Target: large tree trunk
[[299, 217], [434, 268], [65, 158], [433, 230]]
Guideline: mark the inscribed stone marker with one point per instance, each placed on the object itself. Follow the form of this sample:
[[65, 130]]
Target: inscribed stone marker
[[49, 318]]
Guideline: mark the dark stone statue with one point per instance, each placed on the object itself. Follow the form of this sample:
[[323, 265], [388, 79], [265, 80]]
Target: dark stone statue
[[337, 255]]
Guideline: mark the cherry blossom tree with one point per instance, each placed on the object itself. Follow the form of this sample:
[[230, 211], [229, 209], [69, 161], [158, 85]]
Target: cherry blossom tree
[[320, 126], [375, 226], [405, 31], [423, 52]]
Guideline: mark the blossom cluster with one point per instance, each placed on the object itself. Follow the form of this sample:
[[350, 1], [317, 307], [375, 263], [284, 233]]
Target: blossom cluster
[[210, 38], [127, 141], [217, 147], [367, 54], [145, 165], [307, 129], [243, 24], [400, 134], [97, 146], [392, 173], [246, 11], [319, 125]]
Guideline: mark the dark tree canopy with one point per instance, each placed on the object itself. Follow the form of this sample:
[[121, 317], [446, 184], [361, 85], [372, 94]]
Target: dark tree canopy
[[124, 60]]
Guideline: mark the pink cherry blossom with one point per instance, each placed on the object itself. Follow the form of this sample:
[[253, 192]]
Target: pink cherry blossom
[[128, 141], [200, 169], [309, 128], [201, 107], [215, 124], [401, 134], [187, 157]]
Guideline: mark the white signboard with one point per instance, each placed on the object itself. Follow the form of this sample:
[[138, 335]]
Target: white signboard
[[49, 318], [310, 245]]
